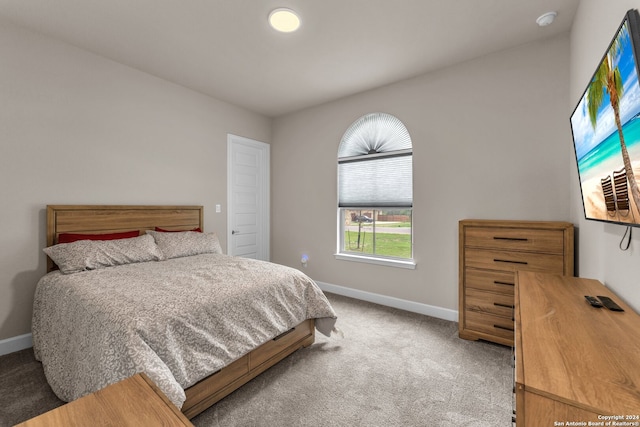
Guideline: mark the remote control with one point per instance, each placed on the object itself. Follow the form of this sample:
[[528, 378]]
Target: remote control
[[593, 301], [609, 303]]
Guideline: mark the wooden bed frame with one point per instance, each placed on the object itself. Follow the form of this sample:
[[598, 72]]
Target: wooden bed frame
[[98, 219]]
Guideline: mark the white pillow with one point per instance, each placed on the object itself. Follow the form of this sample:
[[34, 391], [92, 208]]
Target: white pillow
[[85, 255], [186, 243]]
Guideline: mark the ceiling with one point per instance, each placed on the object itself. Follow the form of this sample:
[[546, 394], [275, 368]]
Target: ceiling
[[225, 48]]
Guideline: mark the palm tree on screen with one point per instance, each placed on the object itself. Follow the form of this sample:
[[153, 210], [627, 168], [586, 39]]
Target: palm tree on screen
[[607, 78]]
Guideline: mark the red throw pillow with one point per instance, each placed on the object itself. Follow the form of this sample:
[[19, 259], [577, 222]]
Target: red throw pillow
[[72, 237], [162, 230]]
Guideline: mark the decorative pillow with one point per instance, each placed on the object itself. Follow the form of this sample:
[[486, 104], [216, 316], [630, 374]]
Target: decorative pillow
[[186, 243], [85, 255], [73, 237], [162, 230]]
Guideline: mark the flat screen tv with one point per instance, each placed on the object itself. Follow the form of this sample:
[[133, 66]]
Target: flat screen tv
[[606, 131]]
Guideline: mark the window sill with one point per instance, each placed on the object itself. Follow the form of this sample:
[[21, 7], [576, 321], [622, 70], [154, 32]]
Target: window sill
[[409, 264]]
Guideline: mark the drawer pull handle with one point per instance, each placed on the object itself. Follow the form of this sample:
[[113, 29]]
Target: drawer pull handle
[[282, 335], [497, 304], [516, 239], [497, 282], [510, 261], [503, 327]]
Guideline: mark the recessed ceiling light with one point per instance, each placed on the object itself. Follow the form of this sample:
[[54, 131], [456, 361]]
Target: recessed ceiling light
[[284, 20], [546, 19]]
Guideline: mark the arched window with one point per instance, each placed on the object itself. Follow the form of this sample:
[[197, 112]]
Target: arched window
[[375, 190]]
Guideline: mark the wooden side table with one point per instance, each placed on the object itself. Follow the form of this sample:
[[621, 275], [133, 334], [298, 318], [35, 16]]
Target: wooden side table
[[135, 401]]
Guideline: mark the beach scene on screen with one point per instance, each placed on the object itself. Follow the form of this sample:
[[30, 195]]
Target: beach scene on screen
[[597, 136]]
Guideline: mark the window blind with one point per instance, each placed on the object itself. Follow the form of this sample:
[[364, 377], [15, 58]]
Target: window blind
[[382, 181], [375, 164]]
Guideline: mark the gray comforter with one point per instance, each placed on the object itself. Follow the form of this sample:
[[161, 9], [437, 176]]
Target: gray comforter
[[177, 320]]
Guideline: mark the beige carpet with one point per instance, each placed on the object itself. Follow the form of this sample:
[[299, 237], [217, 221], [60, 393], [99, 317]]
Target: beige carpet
[[391, 368]]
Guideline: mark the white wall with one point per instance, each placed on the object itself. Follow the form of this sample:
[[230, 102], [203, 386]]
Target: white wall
[[491, 139], [79, 129], [599, 256]]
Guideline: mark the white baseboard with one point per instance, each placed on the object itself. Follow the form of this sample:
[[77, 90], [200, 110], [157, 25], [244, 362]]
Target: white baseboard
[[415, 307], [18, 343]]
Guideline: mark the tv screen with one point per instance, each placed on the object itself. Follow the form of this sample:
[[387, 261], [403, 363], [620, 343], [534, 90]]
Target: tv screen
[[606, 131]]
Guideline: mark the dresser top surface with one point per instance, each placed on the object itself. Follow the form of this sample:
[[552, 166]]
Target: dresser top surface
[[572, 352], [135, 401], [515, 223]]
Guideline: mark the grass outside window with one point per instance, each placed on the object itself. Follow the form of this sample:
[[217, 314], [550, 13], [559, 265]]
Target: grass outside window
[[378, 233]]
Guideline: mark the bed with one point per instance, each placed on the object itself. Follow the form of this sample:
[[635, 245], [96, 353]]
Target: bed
[[200, 324]]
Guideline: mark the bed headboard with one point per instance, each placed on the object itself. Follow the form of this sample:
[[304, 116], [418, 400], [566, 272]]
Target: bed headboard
[[99, 219]]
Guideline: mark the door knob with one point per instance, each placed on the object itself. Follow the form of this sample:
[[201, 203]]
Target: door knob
[[234, 232]]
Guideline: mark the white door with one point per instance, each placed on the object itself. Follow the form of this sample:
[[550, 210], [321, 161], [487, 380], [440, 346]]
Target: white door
[[248, 198]]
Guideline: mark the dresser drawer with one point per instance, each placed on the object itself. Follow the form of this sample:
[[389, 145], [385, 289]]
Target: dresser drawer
[[533, 240], [490, 280], [490, 324], [488, 302], [512, 261]]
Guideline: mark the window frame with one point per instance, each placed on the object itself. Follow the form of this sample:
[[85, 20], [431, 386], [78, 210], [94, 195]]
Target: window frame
[[390, 261], [379, 138]]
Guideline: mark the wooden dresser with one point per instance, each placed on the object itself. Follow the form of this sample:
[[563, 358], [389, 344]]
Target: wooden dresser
[[135, 401], [574, 363], [491, 251]]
